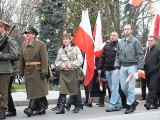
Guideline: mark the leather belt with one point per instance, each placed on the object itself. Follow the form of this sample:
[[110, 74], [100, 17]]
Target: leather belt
[[32, 63]]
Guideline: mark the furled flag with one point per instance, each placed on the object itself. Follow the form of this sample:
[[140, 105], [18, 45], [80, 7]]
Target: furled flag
[[101, 85], [135, 75], [155, 27], [97, 34], [98, 43], [136, 3], [141, 74], [24, 39], [84, 40]]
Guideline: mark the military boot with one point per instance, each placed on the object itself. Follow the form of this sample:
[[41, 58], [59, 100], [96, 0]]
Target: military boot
[[40, 110], [62, 104], [30, 109]]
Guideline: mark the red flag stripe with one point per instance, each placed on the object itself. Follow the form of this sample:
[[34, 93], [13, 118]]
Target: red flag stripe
[[84, 40], [136, 2]]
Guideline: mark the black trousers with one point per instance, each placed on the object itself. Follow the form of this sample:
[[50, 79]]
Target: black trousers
[[143, 88], [152, 86], [123, 97], [11, 106]]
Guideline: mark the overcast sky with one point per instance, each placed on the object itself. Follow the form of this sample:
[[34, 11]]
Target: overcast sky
[[156, 6]]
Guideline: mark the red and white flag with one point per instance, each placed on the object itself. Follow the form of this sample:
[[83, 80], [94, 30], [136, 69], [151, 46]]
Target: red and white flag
[[155, 27], [101, 86], [141, 74], [84, 40], [135, 75], [136, 3], [24, 39], [97, 34], [129, 78]]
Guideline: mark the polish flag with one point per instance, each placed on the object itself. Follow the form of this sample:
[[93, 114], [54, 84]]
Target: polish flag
[[24, 39], [155, 27], [129, 78], [141, 74], [97, 34], [84, 40], [101, 86], [135, 75], [136, 3]]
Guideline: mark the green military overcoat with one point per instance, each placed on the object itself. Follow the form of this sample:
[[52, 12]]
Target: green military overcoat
[[36, 86], [9, 52]]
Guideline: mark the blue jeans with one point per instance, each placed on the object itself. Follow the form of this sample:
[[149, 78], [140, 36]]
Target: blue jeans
[[128, 87], [113, 82]]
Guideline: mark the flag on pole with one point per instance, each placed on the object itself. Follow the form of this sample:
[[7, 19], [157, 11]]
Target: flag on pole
[[97, 34], [136, 3], [84, 40], [155, 27]]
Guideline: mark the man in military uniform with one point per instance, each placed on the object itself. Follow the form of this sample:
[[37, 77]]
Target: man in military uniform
[[8, 52], [34, 67]]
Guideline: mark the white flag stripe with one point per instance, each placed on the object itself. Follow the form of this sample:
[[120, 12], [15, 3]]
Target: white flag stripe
[[98, 35], [85, 24]]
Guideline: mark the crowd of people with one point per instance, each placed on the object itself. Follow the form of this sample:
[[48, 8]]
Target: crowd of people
[[120, 59]]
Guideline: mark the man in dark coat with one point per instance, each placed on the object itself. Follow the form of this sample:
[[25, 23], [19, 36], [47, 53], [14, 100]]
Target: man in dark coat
[[152, 67], [7, 53], [107, 62]]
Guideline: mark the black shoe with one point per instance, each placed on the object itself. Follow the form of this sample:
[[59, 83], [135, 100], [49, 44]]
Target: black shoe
[[154, 107], [10, 114], [101, 105], [134, 105], [55, 108], [89, 105], [85, 104], [68, 107], [39, 112], [28, 112], [147, 106], [76, 110], [2, 115], [128, 109], [45, 107], [110, 110], [97, 103], [142, 99], [60, 112]]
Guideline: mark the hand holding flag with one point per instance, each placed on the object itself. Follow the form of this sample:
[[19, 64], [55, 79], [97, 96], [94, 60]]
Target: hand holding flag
[[139, 73]]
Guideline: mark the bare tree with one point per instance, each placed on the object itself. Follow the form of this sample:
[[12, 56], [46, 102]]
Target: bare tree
[[19, 12]]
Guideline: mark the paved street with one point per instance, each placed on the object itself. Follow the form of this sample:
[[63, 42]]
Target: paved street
[[94, 113]]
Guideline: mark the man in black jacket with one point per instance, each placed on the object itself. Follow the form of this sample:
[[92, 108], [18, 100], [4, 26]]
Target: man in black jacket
[[152, 67], [107, 60]]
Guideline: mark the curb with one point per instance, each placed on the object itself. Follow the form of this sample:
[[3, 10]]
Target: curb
[[54, 101]]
